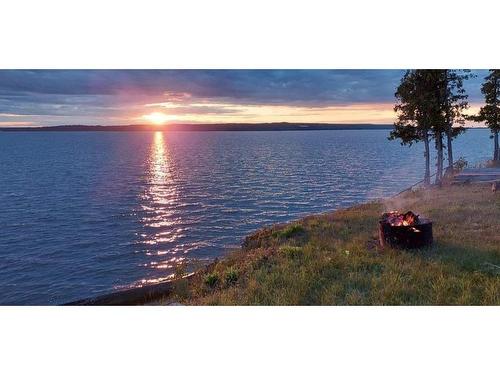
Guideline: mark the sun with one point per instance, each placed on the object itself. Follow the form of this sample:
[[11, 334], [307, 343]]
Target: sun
[[157, 118]]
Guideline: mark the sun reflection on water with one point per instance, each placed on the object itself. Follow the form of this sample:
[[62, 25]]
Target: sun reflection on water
[[159, 220]]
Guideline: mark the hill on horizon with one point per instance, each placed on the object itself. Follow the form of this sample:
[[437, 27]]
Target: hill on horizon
[[281, 126]]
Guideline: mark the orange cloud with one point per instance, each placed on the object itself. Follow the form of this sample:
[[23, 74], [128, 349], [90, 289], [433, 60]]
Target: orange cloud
[[16, 123], [377, 113]]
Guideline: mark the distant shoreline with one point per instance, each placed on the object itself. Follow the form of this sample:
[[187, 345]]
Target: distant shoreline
[[273, 126], [202, 127]]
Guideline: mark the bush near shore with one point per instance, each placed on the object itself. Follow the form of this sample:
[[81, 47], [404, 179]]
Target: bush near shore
[[334, 258]]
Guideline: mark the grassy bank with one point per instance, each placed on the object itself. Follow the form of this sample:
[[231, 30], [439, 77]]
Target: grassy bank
[[334, 259]]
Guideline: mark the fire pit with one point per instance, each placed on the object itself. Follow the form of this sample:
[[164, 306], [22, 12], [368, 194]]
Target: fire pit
[[406, 230]]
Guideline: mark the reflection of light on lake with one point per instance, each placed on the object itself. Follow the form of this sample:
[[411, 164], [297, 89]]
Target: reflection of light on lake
[[158, 211], [161, 194], [158, 171]]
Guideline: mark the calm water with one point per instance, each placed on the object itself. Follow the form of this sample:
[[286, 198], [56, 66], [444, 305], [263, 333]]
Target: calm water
[[85, 213]]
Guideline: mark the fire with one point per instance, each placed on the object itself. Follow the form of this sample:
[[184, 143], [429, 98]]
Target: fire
[[397, 219]]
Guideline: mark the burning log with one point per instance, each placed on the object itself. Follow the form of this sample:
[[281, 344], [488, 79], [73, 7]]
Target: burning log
[[397, 219], [404, 230]]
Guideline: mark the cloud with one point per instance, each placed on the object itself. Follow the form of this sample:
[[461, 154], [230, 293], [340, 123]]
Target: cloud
[[16, 123], [112, 96], [177, 85]]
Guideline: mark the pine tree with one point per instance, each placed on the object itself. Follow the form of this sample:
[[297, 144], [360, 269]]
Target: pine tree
[[490, 112], [417, 108], [454, 104]]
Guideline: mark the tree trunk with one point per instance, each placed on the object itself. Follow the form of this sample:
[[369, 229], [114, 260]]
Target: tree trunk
[[427, 176], [450, 149], [496, 153], [439, 163]]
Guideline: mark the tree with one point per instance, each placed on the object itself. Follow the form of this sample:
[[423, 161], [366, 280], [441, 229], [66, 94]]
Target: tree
[[418, 108], [454, 101], [490, 112], [450, 100]]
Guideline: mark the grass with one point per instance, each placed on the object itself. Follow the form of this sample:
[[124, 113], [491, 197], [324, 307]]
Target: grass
[[231, 276], [334, 258], [211, 279], [289, 231]]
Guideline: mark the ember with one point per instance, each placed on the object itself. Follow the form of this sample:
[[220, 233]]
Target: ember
[[404, 230], [398, 219]]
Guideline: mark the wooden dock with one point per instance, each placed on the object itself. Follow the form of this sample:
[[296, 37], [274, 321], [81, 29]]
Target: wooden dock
[[477, 175]]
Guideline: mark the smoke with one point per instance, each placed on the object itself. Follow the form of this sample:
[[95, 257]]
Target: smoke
[[409, 201]]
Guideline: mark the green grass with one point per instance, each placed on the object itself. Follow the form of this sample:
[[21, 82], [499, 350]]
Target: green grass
[[334, 258], [231, 276], [211, 279], [289, 231]]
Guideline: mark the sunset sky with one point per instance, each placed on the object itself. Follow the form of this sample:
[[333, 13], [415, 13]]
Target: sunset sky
[[122, 97]]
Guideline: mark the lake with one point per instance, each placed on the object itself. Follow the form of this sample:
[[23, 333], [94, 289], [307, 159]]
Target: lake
[[85, 213]]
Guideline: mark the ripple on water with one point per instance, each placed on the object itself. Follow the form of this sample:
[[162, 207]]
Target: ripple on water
[[86, 213]]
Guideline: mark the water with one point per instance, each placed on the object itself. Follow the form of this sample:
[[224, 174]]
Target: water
[[84, 213]]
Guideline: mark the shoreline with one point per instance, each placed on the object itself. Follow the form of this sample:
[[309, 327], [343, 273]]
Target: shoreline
[[187, 128], [141, 295], [224, 280], [130, 297], [335, 258], [236, 127], [210, 127]]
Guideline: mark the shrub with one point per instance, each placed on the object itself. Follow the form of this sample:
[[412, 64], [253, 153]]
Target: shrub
[[461, 163], [211, 279], [231, 276]]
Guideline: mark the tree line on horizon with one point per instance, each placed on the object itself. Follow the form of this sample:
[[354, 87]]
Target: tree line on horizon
[[430, 106]]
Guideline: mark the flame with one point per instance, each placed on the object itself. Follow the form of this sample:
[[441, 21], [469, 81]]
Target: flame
[[395, 218]]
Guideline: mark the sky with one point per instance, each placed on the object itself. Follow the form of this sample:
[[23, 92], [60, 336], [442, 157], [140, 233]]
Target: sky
[[123, 97]]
